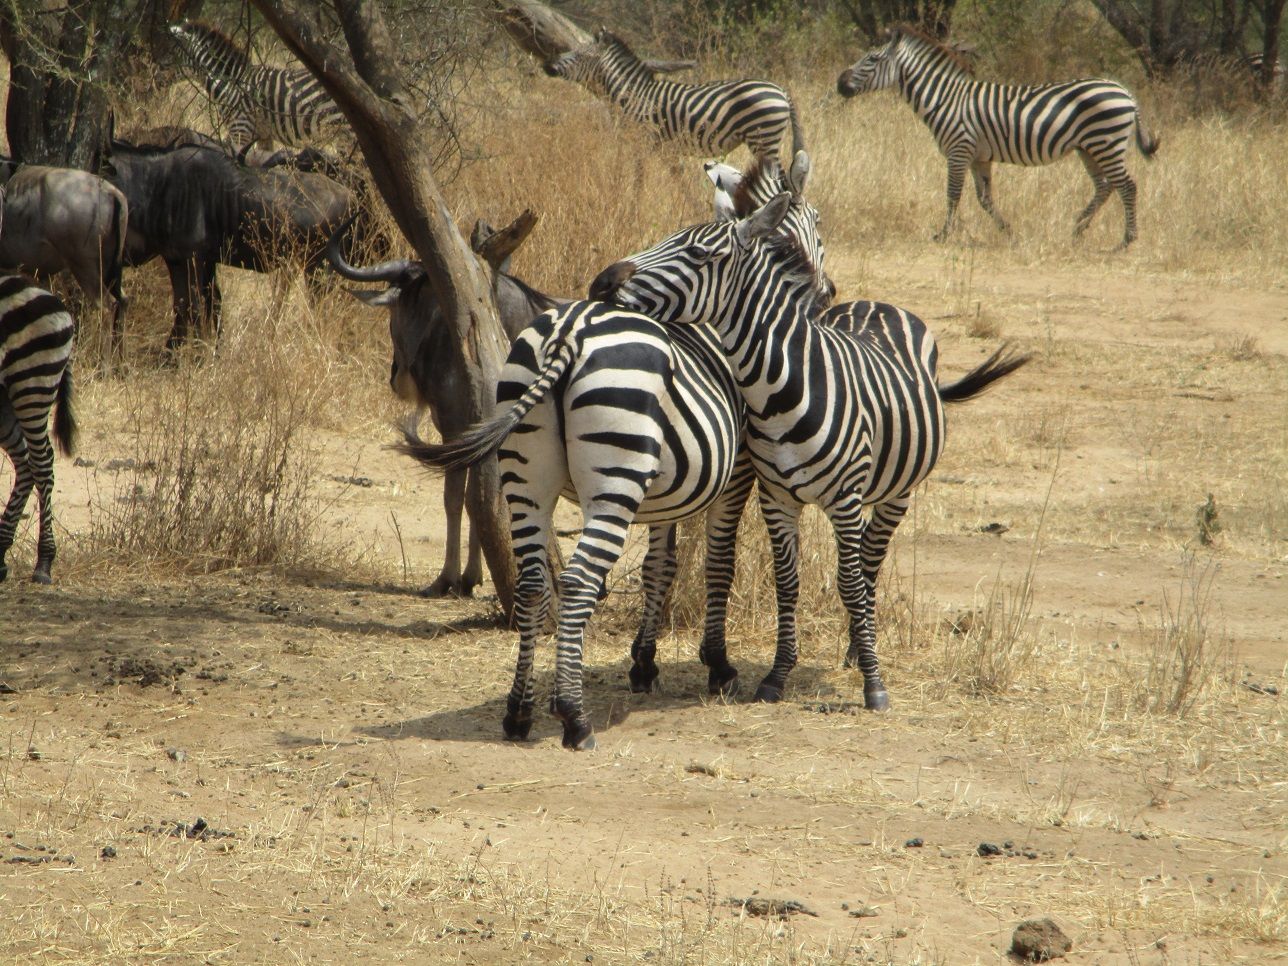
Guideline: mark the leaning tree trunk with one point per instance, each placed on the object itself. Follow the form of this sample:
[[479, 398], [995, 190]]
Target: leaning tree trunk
[[546, 33], [365, 83]]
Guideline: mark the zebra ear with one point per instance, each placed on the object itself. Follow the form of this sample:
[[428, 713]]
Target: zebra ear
[[763, 221], [726, 179], [798, 174]]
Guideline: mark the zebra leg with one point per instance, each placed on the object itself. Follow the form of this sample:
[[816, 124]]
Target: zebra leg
[[957, 165], [531, 605], [1102, 193], [722, 540], [1127, 191], [40, 456], [659, 573], [982, 173], [11, 439], [784, 526], [448, 582], [861, 551]]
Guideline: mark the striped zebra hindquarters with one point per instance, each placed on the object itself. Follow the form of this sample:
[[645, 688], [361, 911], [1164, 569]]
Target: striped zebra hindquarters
[[36, 333]]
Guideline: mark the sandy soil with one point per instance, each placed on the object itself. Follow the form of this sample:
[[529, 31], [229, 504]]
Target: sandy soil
[[340, 736]]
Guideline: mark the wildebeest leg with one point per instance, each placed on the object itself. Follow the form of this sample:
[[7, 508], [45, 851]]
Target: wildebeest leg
[[448, 583], [213, 304], [473, 575], [183, 283]]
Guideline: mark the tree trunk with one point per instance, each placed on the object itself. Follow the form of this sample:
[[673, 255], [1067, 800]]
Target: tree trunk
[[365, 84], [1272, 14], [546, 33]]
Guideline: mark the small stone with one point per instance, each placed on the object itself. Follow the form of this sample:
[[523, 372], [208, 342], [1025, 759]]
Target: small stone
[[1039, 940], [176, 754], [900, 933], [107, 852], [864, 912], [913, 843], [988, 848]]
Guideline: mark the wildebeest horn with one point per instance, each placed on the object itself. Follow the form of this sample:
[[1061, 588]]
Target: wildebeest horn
[[398, 270]]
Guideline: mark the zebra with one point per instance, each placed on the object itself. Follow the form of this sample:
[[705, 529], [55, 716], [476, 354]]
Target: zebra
[[1256, 64], [977, 122], [710, 118], [844, 410], [256, 101], [640, 423], [35, 376]]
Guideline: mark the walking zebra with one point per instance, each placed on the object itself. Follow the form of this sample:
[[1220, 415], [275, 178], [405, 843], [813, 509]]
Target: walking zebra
[[710, 118], [976, 122], [35, 377], [640, 423], [843, 411], [256, 101]]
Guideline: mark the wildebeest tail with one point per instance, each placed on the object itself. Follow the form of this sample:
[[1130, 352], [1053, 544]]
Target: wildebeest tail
[[64, 418], [482, 440], [1001, 363]]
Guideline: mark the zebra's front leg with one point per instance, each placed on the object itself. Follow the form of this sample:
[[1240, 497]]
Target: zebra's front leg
[[531, 605], [659, 574], [860, 551], [722, 543], [783, 521], [956, 176], [982, 173]]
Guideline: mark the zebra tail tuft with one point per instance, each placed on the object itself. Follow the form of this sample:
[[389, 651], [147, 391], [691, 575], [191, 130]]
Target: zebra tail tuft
[[798, 132], [64, 418], [1148, 143], [1000, 364]]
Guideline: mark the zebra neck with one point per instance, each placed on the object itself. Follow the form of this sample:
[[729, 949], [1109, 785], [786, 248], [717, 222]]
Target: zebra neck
[[630, 87], [221, 60], [929, 91], [766, 335]]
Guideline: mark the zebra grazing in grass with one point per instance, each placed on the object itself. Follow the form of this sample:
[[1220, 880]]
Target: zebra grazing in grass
[[640, 423], [1256, 64], [35, 377], [710, 118], [257, 101], [844, 410], [976, 122]]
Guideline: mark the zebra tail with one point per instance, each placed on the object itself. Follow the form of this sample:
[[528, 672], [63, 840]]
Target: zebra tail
[[483, 439], [798, 132], [1147, 142], [64, 418], [1000, 364]]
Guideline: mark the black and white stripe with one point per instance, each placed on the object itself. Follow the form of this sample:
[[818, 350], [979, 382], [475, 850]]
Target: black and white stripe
[[843, 410], [257, 101], [709, 118], [976, 123], [35, 379]]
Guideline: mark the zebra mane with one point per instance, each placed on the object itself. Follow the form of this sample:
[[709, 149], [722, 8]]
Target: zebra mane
[[217, 38], [609, 41], [913, 32], [759, 184], [793, 259]]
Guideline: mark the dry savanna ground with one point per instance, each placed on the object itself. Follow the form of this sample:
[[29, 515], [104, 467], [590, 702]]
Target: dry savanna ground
[[232, 732]]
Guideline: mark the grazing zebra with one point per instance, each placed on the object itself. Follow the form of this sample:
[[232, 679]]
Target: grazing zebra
[[710, 118], [843, 411], [640, 423], [1256, 63], [257, 101], [976, 122], [35, 377]]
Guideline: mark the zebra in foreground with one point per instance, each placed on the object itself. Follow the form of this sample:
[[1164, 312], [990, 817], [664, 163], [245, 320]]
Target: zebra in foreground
[[257, 101], [844, 410], [977, 122], [710, 118], [35, 377], [639, 423]]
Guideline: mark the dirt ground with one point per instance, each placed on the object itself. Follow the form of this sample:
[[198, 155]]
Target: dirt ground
[[338, 737]]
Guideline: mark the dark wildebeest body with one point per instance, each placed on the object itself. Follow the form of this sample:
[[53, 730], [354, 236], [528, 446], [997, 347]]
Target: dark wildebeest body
[[58, 219], [422, 340], [195, 208]]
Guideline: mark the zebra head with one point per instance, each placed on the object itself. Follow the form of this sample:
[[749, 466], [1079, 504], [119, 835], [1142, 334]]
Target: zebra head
[[700, 272], [581, 64], [875, 71], [208, 49]]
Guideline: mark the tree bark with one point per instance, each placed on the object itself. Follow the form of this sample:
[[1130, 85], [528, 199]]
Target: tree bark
[[546, 33], [1272, 14], [366, 86]]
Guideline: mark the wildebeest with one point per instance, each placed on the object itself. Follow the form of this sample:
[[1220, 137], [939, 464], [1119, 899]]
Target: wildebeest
[[195, 208], [60, 218], [421, 340]]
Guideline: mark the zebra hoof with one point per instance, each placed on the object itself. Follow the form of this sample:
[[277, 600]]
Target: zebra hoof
[[516, 729], [643, 679], [578, 735], [42, 577], [876, 699], [723, 681], [768, 693]]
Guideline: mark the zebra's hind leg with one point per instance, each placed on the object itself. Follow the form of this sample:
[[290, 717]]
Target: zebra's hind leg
[[957, 166], [722, 539], [982, 173], [531, 604], [1127, 191], [783, 521], [659, 574], [15, 445], [1098, 199], [860, 551]]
